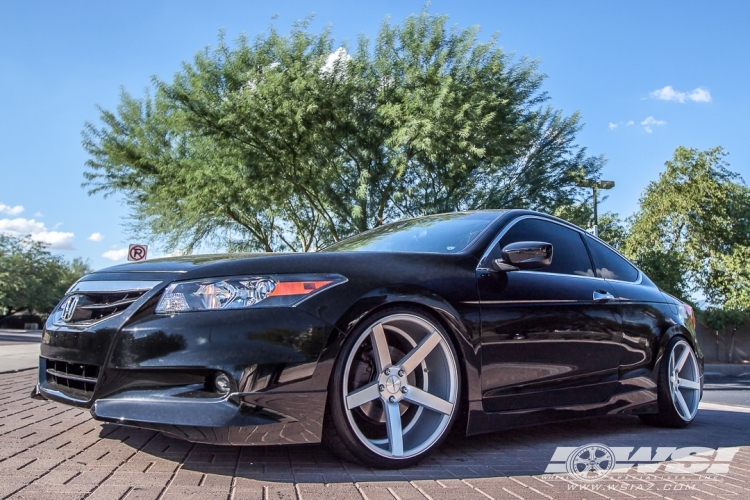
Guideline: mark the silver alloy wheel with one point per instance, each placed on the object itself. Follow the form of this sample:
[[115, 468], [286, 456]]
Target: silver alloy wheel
[[684, 380], [417, 392]]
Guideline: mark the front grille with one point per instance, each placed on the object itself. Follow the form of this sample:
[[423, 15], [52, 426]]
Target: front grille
[[73, 379], [92, 307]]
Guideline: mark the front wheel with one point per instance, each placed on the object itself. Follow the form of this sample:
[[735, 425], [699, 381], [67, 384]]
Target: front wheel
[[394, 392], [679, 386]]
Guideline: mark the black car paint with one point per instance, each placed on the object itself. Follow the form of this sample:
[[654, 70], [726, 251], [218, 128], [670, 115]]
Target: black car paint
[[587, 359]]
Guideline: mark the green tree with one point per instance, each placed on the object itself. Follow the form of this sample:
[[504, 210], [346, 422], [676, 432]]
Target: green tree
[[692, 231], [31, 278], [289, 143]]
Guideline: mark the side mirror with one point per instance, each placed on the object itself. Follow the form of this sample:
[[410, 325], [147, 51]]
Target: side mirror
[[524, 255]]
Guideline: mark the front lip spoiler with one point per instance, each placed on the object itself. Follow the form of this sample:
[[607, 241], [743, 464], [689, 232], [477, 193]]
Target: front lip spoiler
[[37, 394], [216, 421], [53, 395], [169, 406], [138, 411]]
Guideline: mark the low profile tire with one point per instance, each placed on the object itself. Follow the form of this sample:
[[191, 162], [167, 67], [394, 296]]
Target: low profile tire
[[395, 390], [679, 387]]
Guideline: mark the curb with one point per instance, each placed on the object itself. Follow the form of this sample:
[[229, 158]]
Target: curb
[[19, 370], [726, 370], [723, 407]]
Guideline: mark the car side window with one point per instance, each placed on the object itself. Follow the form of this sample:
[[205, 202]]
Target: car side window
[[569, 255], [609, 265]]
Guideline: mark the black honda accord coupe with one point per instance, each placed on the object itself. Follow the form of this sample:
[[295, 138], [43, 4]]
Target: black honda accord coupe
[[379, 344]]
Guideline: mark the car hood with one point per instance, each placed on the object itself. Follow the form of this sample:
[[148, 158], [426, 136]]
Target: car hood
[[355, 263], [182, 264]]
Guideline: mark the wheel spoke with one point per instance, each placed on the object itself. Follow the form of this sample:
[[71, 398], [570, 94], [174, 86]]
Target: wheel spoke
[[682, 404], [671, 363], [395, 433], [681, 360], [362, 395], [417, 355], [429, 401], [689, 384], [380, 347]]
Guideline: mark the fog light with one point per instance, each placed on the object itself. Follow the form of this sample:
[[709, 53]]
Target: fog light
[[221, 382]]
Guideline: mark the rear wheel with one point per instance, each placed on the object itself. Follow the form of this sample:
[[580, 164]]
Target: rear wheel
[[394, 392], [679, 386]]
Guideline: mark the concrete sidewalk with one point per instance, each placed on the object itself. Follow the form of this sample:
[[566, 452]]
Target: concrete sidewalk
[[18, 356], [19, 349]]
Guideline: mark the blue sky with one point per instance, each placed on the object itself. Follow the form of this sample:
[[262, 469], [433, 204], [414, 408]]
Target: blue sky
[[58, 60]]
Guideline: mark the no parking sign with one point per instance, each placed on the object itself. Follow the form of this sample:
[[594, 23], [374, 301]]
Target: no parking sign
[[137, 252]]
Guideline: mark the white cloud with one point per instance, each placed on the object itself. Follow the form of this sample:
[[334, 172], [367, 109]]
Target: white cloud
[[7, 209], [669, 94], [337, 58], [700, 95], [38, 214], [20, 226], [613, 126], [118, 254], [57, 240], [96, 237], [651, 121]]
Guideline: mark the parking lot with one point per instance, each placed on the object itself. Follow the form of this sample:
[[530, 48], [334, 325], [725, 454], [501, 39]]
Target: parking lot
[[48, 450]]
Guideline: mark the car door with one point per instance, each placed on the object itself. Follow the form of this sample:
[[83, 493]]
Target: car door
[[549, 337], [641, 306]]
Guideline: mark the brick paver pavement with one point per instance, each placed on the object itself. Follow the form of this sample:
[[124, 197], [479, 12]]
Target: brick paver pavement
[[52, 451]]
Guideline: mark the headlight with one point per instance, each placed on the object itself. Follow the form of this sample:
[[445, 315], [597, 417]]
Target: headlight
[[241, 292]]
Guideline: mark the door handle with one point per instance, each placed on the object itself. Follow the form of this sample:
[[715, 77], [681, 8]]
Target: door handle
[[601, 296]]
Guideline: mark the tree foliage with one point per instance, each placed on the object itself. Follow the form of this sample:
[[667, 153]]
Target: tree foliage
[[692, 231], [289, 143], [31, 278], [718, 318]]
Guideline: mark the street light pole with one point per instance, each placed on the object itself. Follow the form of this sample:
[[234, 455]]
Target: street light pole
[[596, 185], [599, 185], [596, 215]]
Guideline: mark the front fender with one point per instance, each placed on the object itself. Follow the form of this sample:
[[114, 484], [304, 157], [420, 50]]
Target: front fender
[[461, 321]]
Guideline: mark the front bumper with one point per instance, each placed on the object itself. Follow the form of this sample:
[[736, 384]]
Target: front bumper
[[156, 372]]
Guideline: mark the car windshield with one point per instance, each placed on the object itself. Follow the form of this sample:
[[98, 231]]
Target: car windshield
[[443, 233]]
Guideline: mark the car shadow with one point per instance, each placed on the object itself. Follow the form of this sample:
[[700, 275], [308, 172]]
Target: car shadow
[[525, 451]]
